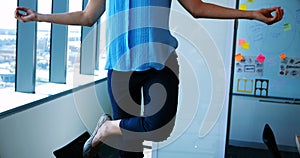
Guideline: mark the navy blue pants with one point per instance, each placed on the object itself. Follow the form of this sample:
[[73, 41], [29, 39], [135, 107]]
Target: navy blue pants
[[160, 96]]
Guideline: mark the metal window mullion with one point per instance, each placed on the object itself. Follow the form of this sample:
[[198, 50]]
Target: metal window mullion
[[59, 45], [88, 48], [98, 49], [26, 52]]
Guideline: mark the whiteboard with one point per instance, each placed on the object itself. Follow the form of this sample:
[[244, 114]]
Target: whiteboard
[[267, 57]]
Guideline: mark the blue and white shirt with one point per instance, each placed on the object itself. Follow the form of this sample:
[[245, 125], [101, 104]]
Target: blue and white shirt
[[138, 36]]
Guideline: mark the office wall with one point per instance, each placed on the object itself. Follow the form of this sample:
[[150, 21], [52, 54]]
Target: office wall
[[278, 47], [197, 86], [38, 131], [277, 102], [249, 115]]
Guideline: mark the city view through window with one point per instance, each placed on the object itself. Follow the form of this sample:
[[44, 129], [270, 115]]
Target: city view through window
[[8, 43], [74, 42], [43, 44], [7, 57]]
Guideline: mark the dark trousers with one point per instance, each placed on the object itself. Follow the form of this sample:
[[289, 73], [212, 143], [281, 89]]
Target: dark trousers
[[160, 99]]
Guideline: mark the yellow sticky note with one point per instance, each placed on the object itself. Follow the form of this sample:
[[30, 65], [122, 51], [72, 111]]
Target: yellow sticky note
[[246, 45], [243, 7], [287, 27], [250, 1]]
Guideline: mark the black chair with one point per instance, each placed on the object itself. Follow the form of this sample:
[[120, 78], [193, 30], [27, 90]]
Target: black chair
[[74, 149], [270, 141]]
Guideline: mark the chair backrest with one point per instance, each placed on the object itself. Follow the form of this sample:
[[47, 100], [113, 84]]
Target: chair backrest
[[298, 142], [270, 141]]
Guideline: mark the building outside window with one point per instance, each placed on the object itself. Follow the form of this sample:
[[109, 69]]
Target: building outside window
[[43, 44], [7, 44], [74, 43], [8, 28]]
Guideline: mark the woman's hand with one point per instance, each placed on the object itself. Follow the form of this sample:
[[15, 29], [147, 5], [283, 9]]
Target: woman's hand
[[265, 15], [86, 17], [27, 15]]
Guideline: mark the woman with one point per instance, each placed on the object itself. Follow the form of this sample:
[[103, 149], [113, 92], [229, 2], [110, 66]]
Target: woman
[[141, 55]]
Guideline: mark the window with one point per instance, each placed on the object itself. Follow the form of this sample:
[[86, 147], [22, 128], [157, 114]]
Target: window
[[74, 43], [101, 44], [43, 44], [7, 44], [50, 57]]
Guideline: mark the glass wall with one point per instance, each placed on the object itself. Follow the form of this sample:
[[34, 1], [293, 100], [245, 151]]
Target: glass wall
[[43, 44], [8, 37], [101, 46], [7, 44], [74, 43]]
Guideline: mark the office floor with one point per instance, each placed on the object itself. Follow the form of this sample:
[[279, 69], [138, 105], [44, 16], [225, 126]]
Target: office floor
[[147, 149], [233, 152], [241, 152]]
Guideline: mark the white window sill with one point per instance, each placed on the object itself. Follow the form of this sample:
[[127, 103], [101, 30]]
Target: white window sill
[[11, 100]]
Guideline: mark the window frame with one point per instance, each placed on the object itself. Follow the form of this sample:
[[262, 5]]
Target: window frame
[[25, 82]]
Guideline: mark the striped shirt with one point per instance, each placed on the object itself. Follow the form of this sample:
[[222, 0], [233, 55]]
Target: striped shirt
[[138, 36]]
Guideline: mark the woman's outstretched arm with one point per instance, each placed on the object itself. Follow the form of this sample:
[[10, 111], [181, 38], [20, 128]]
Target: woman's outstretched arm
[[87, 17], [200, 9]]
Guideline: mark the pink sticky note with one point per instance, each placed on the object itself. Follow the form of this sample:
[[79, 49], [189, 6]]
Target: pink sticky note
[[260, 58], [242, 41]]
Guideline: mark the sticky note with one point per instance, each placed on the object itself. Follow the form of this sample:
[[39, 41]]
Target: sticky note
[[242, 41], [260, 58], [239, 57], [282, 56], [246, 45], [250, 1], [243, 7], [287, 27]]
